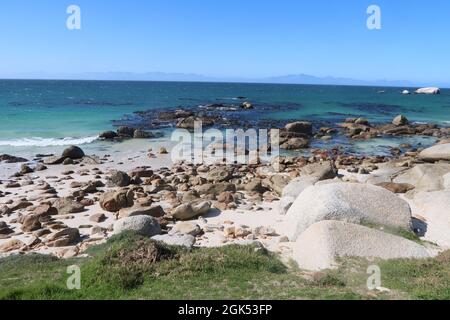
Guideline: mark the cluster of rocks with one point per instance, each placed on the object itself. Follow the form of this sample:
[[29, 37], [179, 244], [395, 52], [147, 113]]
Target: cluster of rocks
[[327, 214], [126, 132], [360, 128]]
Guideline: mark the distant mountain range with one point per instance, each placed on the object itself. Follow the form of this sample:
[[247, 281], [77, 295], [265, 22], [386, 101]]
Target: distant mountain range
[[162, 76]]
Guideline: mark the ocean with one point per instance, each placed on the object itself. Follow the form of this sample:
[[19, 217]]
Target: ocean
[[40, 116]]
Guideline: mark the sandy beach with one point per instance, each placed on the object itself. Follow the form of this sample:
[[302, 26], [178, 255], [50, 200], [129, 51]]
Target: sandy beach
[[62, 209]]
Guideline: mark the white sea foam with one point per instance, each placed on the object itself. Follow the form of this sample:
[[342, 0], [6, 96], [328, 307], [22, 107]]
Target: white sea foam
[[47, 142]]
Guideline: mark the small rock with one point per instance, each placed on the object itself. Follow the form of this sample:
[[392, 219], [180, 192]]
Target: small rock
[[185, 240], [143, 225], [98, 217], [190, 228], [114, 201]]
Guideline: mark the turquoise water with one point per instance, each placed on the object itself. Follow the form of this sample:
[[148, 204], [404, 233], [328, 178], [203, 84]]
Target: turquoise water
[[42, 113]]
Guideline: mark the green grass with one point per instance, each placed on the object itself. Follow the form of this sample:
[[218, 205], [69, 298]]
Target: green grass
[[409, 235], [133, 267]]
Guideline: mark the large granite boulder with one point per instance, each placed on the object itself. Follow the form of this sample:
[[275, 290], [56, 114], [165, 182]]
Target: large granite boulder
[[349, 202], [143, 225], [322, 244]]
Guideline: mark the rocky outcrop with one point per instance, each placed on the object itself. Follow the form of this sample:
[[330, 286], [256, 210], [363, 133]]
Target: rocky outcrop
[[323, 243]]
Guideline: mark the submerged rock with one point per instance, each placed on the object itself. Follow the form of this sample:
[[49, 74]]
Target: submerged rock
[[108, 135], [302, 127]]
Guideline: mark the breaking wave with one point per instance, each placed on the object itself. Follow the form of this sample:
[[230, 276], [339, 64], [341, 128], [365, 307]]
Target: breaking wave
[[47, 142]]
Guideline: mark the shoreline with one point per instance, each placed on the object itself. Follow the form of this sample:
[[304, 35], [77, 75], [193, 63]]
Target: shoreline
[[244, 210], [63, 205]]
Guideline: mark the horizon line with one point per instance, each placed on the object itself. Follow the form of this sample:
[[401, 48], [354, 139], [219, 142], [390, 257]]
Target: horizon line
[[234, 82]]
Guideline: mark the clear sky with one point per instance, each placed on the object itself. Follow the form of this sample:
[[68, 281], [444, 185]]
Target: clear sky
[[244, 38]]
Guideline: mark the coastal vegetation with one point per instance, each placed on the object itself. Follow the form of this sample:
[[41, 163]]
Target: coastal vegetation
[[130, 266]]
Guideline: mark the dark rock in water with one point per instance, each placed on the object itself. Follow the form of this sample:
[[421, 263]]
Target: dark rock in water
[[125, 131], [247, 106], [108, 135], [362, 121], [174, 115], [11, 159], [189, 123], [400, 120], [295, 144], [73, 152], [303, 127]]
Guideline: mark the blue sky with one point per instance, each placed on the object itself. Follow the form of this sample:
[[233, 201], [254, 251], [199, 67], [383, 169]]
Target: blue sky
[[242, 38]]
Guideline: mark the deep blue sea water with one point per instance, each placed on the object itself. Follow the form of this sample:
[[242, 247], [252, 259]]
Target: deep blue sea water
[[43, 113]]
